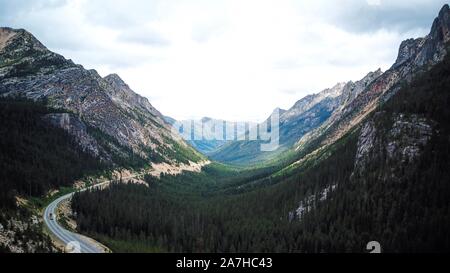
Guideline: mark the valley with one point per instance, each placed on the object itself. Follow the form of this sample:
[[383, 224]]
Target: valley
[[361, 161]]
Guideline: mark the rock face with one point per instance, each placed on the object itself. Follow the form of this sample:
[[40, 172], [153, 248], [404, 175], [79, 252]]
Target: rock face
[[310, 202], [126, 121], [407, 136], [309, 113], [352, 89], [15, 235], [366, 143], [430, 49], [21, 54], [122, 94], [408, 48], [310, 101], [396, 146], [5, 35], [78, 130]]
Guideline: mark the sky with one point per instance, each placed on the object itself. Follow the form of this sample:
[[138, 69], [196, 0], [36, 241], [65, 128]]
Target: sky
[[227, 59]]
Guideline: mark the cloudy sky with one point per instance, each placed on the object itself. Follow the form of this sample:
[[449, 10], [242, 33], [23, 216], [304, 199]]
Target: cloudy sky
[[231, 59]]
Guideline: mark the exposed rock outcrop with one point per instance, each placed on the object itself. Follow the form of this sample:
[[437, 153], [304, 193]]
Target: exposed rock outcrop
[[407, 136], [366, 142], [310, 202], [16, 235], [400, 144], [78, 130]]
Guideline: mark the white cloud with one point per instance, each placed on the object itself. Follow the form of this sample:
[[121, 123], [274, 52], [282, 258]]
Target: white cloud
[[225, 59]]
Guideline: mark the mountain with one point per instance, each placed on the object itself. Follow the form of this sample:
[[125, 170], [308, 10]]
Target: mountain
[[361, 161], [61, 123], [203, 135], [326, 116], [109, 120], [415, 57], [378, 169], [392, 173], [306, 115]]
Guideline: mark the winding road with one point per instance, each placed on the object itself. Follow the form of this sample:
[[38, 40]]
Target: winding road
[[75, 242]]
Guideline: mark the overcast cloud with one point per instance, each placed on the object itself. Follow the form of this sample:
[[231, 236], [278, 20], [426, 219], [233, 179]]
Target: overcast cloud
[[230, 59]]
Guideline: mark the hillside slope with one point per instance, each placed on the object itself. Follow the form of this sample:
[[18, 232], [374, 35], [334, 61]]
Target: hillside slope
[[124, 125], [35, 159], [59, 123], [321, 119], [305, 116], [415, 57], [385, 178]]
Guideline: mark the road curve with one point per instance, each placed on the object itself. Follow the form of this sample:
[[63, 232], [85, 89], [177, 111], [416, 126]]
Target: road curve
[[68, 237]]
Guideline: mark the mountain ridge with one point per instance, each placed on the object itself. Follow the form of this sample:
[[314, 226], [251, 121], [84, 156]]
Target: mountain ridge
[[359, 99], [304, 116], [415, 56], [28, 69]]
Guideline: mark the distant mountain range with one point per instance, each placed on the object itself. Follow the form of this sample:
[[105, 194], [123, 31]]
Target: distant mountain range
[[203, 135]]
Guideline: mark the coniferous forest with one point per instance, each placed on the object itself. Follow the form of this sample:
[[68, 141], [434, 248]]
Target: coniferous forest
[[36, 157], [363, 161], [403, 205]]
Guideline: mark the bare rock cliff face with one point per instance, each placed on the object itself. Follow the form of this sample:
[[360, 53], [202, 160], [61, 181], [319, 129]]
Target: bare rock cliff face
[[407, 136], [396, 147], [78, 130]]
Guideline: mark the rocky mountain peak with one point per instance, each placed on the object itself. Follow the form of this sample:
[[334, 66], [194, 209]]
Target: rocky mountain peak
[[444, 12], [407, 50], [377, 72], [371, 76], [334, 91], [22, 54], [352, 89], [431, 48], [21, 38], [115, 79], [310, 100], [125, 97], [441, 25]]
